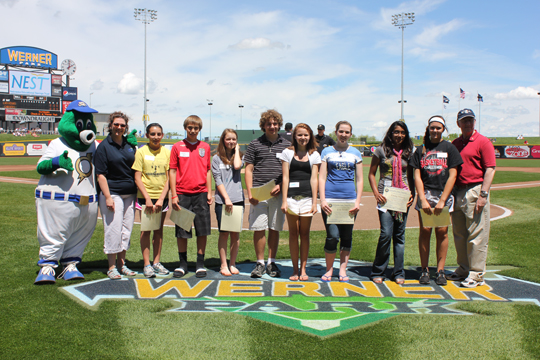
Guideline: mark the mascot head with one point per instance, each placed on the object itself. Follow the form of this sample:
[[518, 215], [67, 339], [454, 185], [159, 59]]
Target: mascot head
[[77, 125]]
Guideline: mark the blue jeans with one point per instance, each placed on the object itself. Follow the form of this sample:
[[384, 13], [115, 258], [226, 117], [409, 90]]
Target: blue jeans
[[334, 233], [390, 229]]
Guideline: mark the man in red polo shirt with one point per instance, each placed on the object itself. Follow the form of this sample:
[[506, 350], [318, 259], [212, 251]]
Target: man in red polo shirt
[[470, 219]]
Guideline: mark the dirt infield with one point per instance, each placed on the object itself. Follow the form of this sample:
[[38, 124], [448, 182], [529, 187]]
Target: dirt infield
[[367, 217], [17, 167]]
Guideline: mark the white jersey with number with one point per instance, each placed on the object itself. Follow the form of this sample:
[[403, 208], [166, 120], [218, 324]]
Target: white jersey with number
[[80, 181]]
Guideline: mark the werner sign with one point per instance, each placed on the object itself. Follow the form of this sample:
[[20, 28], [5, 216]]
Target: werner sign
[[26, 56], [314, 307]]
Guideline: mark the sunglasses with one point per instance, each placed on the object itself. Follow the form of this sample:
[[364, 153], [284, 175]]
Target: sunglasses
[[119, 125]]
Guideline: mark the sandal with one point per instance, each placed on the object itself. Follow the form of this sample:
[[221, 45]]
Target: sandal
[[225, 271], [127, 271], [378, 280], [234, 270], [399, 280], [344, 279], [293, 278], [303, 278], [326, 278], [114, 274]]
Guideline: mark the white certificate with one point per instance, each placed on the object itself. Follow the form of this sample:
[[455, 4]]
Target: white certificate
[[183, 218], [396, 199], [340, 213], [150, 222], [431, 221], [232, 221], [262, 192]]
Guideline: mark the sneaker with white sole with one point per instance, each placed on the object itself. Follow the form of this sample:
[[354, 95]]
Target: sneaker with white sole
[[273, 270], [160, 269], [148, 271], [258, 271], [471, 283]]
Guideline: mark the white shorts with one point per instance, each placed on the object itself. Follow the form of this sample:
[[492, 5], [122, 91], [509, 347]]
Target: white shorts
[[117, 225], [301, 207], [267, 215]]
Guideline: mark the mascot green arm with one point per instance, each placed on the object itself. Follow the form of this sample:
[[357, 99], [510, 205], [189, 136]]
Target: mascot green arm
[[63, 161], [131, 138]]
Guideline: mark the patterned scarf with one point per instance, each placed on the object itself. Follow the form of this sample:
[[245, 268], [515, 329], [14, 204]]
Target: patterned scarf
[[397, 180]]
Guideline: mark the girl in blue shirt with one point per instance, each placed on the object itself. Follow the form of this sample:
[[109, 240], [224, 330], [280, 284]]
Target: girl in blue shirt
[[340, 180]]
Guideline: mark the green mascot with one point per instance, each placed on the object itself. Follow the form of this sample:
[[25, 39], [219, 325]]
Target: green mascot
[[66, 199]]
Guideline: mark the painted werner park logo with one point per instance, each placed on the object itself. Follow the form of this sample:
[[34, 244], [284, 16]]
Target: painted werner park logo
[[315, 307]]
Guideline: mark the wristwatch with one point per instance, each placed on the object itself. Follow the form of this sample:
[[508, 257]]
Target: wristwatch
[[484, 193]]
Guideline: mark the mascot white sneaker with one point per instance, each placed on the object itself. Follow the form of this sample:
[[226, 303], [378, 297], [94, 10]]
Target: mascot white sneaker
[[66, 199]]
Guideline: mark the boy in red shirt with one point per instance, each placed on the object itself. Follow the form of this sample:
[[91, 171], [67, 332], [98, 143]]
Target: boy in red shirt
[[190, 171]]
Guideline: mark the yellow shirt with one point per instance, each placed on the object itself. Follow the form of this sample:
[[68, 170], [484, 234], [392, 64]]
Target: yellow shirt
[[153, 165]]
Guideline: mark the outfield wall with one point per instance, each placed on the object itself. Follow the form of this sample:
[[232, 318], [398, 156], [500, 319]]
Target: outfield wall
[[38, 147]]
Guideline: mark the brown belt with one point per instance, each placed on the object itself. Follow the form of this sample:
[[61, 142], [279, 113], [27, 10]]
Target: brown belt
[[466, 186]]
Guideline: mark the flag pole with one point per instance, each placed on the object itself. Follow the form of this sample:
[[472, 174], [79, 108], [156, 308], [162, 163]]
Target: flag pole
[[480, 99]]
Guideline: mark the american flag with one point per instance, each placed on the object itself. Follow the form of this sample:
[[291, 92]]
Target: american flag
[[480, 98], [445, 99], [461, 93]]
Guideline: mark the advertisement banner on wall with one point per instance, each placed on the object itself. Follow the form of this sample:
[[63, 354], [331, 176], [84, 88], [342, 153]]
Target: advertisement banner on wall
[[29, 83], [516, 152], [4, 75], [69, 93], [14, 149], [535, 152], [56, 91], [36, 149], [27, 56], [30, 118], [56, 80], [4, 87], [65, 104]]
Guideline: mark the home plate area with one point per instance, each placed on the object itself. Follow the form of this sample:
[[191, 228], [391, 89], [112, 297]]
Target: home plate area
[[313, 306]]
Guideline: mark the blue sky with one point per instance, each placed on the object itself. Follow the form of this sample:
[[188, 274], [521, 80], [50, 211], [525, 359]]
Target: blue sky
[[315, 61]]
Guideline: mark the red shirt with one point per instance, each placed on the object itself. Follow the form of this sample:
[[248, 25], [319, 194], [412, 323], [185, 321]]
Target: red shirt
[[478, 154], [192, 163]]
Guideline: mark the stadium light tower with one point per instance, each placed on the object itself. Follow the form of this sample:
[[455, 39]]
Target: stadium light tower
[[401, 21], [146, 16], [241, 107]]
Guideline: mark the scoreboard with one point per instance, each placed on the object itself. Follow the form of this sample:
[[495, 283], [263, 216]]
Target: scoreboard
[[34, 105]]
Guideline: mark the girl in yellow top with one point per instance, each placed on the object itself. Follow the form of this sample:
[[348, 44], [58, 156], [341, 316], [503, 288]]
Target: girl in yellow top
[[152, 178]]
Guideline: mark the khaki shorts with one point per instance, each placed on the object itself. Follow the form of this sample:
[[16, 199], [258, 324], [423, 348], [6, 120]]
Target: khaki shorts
[[267, 215]]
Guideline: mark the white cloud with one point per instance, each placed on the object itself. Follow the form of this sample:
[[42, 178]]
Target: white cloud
[[380, 124], [536, 54], [257, 43], [97, 85], [8, 3], [518, 94], [130, 84], [431, 35]]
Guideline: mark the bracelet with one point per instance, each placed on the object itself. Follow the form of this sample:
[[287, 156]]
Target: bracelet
[[175, 196]]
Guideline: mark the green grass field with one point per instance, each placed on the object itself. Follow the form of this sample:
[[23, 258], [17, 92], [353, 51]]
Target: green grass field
[[40, 322]]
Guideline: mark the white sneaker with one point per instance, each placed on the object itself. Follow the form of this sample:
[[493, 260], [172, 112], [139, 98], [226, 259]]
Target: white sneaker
[[470, 283], [160, 269], [148, 271]]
